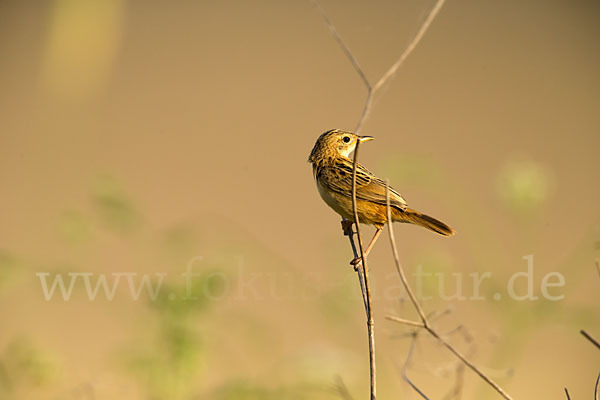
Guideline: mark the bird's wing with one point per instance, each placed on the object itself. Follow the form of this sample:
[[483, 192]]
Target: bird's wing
[[338, 177]]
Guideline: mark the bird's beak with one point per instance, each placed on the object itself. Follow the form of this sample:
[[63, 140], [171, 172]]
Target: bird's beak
[[365, 138]]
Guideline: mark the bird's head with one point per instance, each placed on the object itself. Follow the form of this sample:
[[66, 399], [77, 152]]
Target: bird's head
[[335, 143]]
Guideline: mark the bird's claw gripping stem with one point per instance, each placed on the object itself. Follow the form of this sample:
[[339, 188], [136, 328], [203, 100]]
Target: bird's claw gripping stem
[[347, 227], [356, 262]]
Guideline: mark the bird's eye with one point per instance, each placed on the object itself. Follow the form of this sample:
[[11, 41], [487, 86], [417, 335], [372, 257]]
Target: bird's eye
[[346, 139]]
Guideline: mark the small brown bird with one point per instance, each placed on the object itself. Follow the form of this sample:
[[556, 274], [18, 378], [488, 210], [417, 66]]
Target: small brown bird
[[332, 170]]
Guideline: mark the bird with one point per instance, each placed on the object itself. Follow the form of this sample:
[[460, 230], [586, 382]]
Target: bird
[[333, 169]]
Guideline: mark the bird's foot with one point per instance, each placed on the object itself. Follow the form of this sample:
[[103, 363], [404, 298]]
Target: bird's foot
[[347, 227], [356, 262]]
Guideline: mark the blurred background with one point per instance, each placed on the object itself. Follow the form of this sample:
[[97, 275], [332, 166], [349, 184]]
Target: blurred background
[[157, 137]]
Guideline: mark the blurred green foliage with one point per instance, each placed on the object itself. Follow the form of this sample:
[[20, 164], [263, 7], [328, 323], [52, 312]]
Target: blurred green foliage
[[8, 268], [410, 168], [74, 227], [523, 185], [23, 364], [242, 390], [180, 239], [113, 206], [166, 367], [436, 269]]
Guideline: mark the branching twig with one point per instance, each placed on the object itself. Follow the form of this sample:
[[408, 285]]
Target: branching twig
[[390, 72], [361, 268], [373, 89], [419, 309]]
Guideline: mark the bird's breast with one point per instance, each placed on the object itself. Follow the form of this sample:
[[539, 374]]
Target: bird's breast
[[339, 203]]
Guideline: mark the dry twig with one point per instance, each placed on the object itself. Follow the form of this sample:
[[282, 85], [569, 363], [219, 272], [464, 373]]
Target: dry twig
[[362, 267], [362, 271], [341, 389], [373, 89], [424, 320], [392, 70], [590, 338], [457, 390], [411, 350], [597, 388]]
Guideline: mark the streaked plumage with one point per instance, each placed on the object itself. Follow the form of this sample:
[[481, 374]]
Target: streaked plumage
[[332, 169]]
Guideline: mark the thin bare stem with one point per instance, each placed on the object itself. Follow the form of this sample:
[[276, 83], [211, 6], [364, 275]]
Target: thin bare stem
[[405, 321], [411, 46], [366, 110], [361, 279], [362, 266], [406, 364], [415, 302], [399, 268], [597, 388], [457, 391], [341, 43], [468, 363], [372, 90], [590, 338], [342, 389], [567, 393]]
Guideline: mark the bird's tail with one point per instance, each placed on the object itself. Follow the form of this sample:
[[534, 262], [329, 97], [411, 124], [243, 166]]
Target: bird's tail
[[414, 217]]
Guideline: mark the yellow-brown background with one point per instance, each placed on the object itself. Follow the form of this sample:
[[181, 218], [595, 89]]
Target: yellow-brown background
[[136, 135]]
